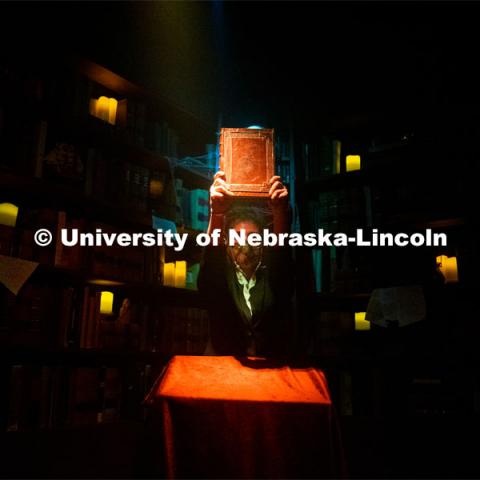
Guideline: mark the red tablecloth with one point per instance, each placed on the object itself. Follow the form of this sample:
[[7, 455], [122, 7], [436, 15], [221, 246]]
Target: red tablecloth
[[227, 417]]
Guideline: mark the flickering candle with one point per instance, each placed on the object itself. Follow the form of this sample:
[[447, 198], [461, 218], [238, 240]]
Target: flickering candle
[[8, 214], [352, 163], [102, 108], [360, 322], [448, 268], [451, 271], [106, 303]]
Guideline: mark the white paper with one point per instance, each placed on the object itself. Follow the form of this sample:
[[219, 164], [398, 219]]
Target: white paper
[[14, 272], [404, 305]]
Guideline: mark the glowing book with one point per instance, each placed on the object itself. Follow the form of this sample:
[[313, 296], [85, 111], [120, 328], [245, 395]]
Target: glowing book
[[247, 158]]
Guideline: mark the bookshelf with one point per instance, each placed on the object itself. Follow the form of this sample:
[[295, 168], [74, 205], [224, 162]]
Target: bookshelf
[[402, 186], [67, 163]]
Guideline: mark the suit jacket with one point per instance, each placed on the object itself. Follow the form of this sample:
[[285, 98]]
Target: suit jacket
[[233, 330]]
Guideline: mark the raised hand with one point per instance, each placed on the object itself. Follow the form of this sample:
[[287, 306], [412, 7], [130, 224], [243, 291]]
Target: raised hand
[[278, 194], [220, 195]]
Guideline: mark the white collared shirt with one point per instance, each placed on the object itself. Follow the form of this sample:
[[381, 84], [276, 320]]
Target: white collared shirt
[[246, 284]]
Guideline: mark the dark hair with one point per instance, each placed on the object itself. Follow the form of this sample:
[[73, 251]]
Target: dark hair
[[238, 213]]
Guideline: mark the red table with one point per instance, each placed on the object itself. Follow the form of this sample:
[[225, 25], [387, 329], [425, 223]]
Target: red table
[[228, 417]]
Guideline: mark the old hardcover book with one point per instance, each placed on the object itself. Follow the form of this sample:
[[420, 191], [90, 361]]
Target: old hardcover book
[[247, 158]]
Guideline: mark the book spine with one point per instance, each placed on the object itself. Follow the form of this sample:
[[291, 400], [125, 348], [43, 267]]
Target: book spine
[[39, 148], [61, 224], [16, 398]]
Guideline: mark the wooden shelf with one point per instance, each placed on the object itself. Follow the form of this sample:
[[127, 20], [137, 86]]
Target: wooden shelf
[[333, 182]]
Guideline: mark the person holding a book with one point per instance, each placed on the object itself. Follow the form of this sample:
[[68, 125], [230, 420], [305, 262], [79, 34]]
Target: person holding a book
[[248, 289]]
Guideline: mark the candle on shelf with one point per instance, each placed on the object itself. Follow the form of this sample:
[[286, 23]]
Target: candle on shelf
[[352, 163], [360, 322], [106, 303], [104, 108], [181, 274], [448, 268], [169, 274], [8, 214]]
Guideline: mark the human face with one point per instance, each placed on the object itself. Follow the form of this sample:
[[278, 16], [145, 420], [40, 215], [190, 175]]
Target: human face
[[247, 257]]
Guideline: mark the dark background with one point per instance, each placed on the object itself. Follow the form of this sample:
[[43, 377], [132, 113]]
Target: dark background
[[374, 65]]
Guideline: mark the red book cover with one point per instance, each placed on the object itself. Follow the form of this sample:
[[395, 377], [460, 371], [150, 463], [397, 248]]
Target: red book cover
[[247, 158]]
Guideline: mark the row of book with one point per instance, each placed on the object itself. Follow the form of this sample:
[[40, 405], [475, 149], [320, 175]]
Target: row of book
[[321, 158], [282, 149], [126, 183], [180, 330], [341, 270], [130, 264], [283, 170], [421, 195], [60, 396], [134, 325], [83, 324], [136, 263], [49, 316], [343, 210], [29, 318], [93, 171], [330, 330]]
